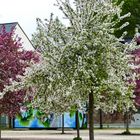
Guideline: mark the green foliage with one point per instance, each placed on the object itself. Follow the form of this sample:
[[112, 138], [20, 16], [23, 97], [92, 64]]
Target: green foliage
[[76, 138], [132, 6]]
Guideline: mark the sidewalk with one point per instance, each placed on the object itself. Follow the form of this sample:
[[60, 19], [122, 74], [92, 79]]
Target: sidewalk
[[56, 135]]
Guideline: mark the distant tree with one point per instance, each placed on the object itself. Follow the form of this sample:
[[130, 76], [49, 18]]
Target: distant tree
[[132, 6]]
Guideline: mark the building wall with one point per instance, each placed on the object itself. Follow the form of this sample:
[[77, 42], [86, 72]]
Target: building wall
[[4, 121], [24, 39]]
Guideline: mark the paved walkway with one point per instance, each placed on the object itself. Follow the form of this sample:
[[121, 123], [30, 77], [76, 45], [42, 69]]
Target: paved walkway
[[56, 135]]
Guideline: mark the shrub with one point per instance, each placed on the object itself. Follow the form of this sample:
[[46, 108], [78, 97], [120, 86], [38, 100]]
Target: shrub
[[76, 138]]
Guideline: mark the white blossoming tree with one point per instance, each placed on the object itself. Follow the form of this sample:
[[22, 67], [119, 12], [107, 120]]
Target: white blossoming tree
[[82, 61], [92, 60]]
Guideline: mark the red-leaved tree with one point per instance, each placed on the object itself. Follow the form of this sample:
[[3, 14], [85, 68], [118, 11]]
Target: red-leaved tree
[[136, 61], [136, 69], [13, 61]]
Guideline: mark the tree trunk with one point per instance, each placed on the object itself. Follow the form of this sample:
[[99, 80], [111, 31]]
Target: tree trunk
[[10, 122], [83, 121], [101, 119], [91, 121], [0, 127], [77, 124], [127, 122], [63, 124]]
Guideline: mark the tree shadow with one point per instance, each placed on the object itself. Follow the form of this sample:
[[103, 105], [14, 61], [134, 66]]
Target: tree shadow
[[131, 134]]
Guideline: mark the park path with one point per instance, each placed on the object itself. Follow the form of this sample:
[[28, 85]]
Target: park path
[[69, 135]]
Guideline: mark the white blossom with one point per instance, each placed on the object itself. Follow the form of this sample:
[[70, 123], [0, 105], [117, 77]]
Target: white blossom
[[79, 58]]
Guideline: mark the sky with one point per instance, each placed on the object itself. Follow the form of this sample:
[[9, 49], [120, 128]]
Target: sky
[[25, 12]]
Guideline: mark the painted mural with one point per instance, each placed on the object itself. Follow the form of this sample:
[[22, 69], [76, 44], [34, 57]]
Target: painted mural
[[33, 119]]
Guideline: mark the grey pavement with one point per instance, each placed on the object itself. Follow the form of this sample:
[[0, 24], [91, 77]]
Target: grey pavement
[[104, 134]]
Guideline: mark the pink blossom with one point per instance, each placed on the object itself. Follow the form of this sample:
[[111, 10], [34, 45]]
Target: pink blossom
[[13, 61]]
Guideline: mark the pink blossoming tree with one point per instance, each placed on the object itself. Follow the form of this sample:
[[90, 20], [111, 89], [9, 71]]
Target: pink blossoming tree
[[13, 61]]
